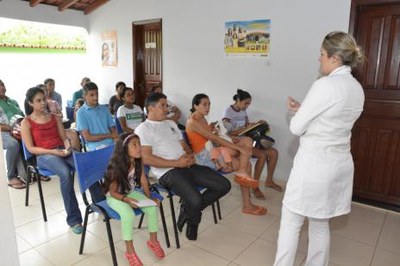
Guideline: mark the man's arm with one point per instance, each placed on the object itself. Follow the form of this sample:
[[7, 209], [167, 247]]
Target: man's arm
[[150, 159]]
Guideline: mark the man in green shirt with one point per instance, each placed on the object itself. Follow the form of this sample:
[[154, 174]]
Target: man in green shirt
[[16, 173]]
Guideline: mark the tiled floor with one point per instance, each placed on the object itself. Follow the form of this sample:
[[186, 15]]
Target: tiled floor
[[368, 236]]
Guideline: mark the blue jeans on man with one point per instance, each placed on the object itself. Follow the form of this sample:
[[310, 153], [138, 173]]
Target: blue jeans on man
[[15, 166]]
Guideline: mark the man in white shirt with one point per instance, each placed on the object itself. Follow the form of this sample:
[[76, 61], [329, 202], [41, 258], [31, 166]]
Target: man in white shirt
[[173, 163]]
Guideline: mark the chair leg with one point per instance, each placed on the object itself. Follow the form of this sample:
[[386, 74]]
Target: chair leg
[[214, 213], [219, 210], [140, 221], [85, 221], [174, 219], [29, 174], [39, 182], [164, 225], [111, 242]]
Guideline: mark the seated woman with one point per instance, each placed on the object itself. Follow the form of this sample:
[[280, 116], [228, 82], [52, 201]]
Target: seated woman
[[129, 115], [236, 115], [115, 101], [199, 132], [44, 136]]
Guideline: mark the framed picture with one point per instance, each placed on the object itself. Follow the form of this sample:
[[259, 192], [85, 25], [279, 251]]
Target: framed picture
[[250, 37], [109, 48]]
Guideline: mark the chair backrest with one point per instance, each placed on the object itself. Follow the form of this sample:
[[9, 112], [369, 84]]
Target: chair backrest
[[70, 113], [91, 166], [27, 154], [118, 125]]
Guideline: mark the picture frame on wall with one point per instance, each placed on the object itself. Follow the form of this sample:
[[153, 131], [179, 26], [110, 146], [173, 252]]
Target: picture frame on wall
[[109, 48], [247, 37]]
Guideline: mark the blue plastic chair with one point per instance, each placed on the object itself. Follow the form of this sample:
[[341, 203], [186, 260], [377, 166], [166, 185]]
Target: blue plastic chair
[[91, 167], [118, 125], [34, 172]]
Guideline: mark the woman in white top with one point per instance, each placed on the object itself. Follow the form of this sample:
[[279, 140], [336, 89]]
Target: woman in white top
[[129, 115], [321, 181]]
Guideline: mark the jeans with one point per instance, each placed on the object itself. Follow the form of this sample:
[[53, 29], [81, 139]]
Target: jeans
[[14, 162], [318, 239], [204, 158], [63, 167], [184, 182]]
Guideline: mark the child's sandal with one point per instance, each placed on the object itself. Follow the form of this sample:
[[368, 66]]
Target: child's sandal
[[133, 259], [156, 248]]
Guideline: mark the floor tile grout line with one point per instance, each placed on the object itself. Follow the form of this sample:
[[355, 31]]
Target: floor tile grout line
[[377, 241]]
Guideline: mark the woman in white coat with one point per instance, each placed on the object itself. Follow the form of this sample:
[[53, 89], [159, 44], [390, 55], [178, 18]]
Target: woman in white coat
[[321, 181]]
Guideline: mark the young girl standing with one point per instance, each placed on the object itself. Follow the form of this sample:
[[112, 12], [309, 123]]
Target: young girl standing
[[124, 172]]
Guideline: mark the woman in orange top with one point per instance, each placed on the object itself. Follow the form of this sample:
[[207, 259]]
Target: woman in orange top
[[199, 132]]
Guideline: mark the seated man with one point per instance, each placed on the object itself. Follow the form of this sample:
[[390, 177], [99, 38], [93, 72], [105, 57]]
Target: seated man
[[79, 93], [94, 121], [15, 166], [173, 163]]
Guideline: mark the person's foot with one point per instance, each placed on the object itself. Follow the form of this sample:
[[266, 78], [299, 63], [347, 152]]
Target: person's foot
[[258, 193], [191, 231], [245, 180], [182, 218], [77, 229], [16, 183], [255, 210], [156, 248], [133, 259], [273, 185]]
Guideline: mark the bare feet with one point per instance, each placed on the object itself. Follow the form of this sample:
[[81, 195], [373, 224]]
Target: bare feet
[[258, 193], [273, 185]]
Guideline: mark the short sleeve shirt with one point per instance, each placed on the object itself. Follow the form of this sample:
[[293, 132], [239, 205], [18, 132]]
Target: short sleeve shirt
[[132, 116], [237, 119]]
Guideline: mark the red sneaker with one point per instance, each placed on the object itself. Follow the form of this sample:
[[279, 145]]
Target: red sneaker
[[156, 248]]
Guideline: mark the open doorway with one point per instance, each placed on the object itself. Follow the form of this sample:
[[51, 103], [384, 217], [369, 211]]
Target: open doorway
[[147, 57]]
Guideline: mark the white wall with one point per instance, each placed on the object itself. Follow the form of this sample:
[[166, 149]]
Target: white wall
[[194, 59]]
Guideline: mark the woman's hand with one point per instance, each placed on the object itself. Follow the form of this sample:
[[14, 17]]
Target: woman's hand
[[61, 153], [293, 105]]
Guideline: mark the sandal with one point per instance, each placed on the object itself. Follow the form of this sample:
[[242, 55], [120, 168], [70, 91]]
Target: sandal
[[133, 259], [156, 248], [246, 181], [258, 193], [258, 211], [45, 178], [274, 186], [16, 183]]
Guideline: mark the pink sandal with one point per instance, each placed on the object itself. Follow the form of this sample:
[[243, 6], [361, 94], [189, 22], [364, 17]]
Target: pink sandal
[[156, 248], [133, 259]]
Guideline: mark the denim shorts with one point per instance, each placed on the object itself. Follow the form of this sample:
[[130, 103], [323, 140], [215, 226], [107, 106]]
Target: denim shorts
[[204, 158]]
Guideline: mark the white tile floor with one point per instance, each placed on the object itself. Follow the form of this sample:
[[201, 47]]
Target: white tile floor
[[368, 236]]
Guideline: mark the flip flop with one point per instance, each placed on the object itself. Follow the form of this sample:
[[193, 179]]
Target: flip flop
[[258, 193], [45, 178], [274, 186], [246, 181], [17, 184], [258, 212]]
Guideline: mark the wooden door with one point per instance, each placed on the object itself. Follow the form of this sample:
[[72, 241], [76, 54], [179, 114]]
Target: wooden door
[[147, 58], [376, 136]]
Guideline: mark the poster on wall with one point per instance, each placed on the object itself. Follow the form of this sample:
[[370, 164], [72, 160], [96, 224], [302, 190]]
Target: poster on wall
[[109, 48], [247, 38]]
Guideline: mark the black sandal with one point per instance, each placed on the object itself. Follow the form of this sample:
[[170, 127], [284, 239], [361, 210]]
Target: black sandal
[[45, 178]]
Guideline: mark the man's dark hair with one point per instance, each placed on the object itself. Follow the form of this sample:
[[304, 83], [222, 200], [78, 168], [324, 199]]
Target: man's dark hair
[[153, 99], [89, 87]]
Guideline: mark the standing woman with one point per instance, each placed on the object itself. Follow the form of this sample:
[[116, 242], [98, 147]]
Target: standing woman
[[321, 181], [44, 136]]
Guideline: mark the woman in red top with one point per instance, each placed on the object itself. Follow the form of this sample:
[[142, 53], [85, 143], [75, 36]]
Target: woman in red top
[[44, 136]]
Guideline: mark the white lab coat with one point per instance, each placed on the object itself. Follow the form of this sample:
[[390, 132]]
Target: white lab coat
[[321, 181]]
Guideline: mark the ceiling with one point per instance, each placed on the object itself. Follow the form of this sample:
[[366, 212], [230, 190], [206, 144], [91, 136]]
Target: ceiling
[[86, 6]]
